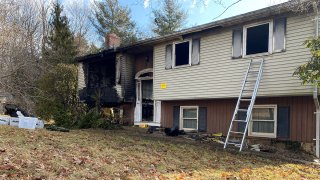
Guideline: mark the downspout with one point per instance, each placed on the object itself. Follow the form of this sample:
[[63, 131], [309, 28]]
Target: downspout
[[315, 91]]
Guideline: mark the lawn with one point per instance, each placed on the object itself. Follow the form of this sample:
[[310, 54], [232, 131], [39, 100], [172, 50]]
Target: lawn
[[130, 154]]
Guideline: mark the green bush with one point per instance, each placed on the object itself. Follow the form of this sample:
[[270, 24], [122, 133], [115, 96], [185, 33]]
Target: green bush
[[95, 119]]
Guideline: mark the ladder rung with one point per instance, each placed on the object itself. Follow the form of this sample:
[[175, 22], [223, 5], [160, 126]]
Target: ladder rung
[[255, 71], [251, 80], [236, 120], [248, 90], [235, 132], [256, 62], [243, 110], [245, 99]]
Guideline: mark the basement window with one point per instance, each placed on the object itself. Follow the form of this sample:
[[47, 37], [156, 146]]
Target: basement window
[[257, 39], [182, 53], [264, 121], [189, 117]]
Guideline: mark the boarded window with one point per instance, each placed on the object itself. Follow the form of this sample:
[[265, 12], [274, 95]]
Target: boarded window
[[237, 43], [182, 53], [195, 57], [169, 56], [257, 39], [279, 34]]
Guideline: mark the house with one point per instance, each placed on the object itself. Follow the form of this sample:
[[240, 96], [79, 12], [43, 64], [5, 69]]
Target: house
[[197, 73]]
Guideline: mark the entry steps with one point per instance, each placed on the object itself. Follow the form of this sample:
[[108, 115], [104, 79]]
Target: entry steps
[[247, 95]]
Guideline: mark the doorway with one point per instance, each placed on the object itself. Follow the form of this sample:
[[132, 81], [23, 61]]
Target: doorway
[[144, 110]]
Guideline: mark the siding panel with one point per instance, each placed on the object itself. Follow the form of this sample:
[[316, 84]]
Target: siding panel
[[220, 111], [219, 76]]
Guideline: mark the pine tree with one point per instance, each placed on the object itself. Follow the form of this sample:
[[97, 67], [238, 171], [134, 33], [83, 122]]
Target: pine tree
[[169, 18], [60, 46], [110, 17]]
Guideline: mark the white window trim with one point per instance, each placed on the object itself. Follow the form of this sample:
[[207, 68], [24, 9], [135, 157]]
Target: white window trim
[[270, 43], [267, 135], [174, 53], [181, 117]]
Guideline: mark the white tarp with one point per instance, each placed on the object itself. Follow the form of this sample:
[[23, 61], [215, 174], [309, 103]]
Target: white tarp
[[4, 120], [27, 122]]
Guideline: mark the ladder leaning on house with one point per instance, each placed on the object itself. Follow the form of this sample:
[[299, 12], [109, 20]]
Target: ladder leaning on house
[[248, 93]]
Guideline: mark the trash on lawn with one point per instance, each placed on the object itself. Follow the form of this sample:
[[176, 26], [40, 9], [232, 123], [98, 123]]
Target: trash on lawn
[[56, 128], [173, 131], [14, 116], [216, 137], [143, 126]]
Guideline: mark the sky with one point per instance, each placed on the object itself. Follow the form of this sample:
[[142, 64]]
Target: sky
[[198, 12]]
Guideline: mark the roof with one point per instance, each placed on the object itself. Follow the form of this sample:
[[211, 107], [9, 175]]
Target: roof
[[227, 22]]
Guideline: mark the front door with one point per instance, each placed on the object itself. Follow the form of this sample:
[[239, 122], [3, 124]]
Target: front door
[[147, 100], [144, 102]]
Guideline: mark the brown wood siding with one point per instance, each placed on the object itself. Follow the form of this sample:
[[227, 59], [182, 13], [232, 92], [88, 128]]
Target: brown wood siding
[[143, 61], [220, 111]]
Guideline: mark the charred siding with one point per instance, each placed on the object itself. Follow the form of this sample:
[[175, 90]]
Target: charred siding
[[127, 74]]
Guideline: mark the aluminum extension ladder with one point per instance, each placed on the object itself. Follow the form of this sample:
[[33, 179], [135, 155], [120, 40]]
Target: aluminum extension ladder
[[248, 93]]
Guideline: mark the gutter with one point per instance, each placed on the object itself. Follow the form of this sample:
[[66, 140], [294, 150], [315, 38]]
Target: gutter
[[315, 91]]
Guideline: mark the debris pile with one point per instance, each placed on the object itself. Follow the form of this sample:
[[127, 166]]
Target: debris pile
[[14, 116]]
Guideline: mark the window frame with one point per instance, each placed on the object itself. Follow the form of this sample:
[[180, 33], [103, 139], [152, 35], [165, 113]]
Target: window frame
[[174, 53], [181, 118], [270, 42], [260, 134]]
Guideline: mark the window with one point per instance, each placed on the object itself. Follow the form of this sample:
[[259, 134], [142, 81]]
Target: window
[[257, 39], [264, 121], [189, 117], [182, 53]]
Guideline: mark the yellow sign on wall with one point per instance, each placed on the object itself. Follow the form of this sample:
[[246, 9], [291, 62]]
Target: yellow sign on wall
[[163, 85]]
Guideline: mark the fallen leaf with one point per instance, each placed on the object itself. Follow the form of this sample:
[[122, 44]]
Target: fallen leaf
[[7, 167]]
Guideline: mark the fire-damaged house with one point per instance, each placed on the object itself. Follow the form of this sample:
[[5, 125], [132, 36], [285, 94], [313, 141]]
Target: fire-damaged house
[[191, 79]]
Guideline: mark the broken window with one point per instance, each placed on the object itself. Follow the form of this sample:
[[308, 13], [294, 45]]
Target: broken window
[[257, 39], [182, 53]]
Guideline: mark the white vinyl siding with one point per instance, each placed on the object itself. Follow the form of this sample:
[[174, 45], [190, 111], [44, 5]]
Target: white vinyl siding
[[220, 76]]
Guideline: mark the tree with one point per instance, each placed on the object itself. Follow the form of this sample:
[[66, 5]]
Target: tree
[[60, 47], [20, 49], [169, 18], [110, 17], [309, 72], [58, 98]]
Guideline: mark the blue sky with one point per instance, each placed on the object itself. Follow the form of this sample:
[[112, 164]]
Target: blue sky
[[198, 12], [203, 11]]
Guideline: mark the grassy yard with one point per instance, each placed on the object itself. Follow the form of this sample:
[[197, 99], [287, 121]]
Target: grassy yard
[[130, 154]]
